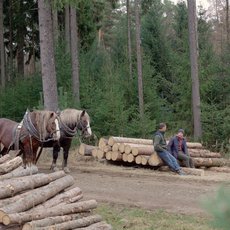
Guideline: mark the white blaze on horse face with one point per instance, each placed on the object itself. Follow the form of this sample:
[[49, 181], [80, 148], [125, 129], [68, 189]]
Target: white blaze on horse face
[[58, 134], [89, 129]]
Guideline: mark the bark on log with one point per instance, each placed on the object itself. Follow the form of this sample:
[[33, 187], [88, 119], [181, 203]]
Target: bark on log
[[108, 155], [10, 165], [143, 150], [100, 154], [188, 171], [102, 225], [5, 158], [194, 145], [220, 169], [113, 140], [155, 160], [52, 220], [86, 150], [203, 153], [19, 172], [125, 157], [37, 196], [102, 142], [83, 222], [116, 156], [67, 196], [209, 162], [23, 217], [10, 187]]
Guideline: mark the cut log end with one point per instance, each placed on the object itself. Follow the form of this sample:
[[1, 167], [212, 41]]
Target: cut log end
[[6, 220]]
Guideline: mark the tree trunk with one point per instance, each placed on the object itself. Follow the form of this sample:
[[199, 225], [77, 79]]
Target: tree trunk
[[220, 169], [10, 165], [52, 220], [13, 186], [193, 47], [74, 56], [209, 162], [86, 150], [67, 28], [102, 225], [115, 147], [11, 65], [143, 150], [139, 61], [47, 56], [227, 22], [55, 25], [130, 158], [125, 157], [144, 159], [20, 172], [64, 210], [37, 196], [2, 48], [129, 40], [155, 160]]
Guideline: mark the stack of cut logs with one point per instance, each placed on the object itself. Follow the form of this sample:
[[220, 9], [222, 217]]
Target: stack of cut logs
[[32, 200], [141, 152]]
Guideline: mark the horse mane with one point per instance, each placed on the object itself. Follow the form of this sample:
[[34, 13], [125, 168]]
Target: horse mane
[[71, 117]]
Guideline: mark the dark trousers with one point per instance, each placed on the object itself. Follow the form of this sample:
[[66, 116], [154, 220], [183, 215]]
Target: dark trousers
[[170, 160], [187, 160]]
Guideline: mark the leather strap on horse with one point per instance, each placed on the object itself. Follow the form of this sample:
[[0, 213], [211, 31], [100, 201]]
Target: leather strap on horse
[[17, 135], [68, 132]]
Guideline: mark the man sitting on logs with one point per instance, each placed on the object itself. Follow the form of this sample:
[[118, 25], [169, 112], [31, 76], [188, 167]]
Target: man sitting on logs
[[177, 146], [160, 147]]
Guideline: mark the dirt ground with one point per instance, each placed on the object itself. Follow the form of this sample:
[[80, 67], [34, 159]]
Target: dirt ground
[[142, 187]]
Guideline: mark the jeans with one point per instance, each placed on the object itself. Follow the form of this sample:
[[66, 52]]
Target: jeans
[[187, 160], [170, 160]]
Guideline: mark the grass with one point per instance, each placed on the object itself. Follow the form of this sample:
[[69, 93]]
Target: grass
[[121, 217]]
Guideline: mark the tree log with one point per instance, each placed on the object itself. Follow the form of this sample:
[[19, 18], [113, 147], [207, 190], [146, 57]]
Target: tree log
[[86, 150], [5, 158], [10, 165], [144, 159], [115, 147], [138, 159], [122, 147], [13, 186], [155, 160], [203, 153], [100, 154], [107, 148], [94, 153], [102, 225], [143, 150], [83, 222], [52, 220], [188, 171], [194, 145], [220, 169], [125, 157], [209, 162], [23, 217], [37, 196], [102, 142], [113, 140], [108, 155], [20, 171], [67, 197], [130, 158], [116, 156]]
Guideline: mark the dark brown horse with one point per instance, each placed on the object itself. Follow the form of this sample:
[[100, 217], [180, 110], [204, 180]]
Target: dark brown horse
[[70, 121], [26, 136]]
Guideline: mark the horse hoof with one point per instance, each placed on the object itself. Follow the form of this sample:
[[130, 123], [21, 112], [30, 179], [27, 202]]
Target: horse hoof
[[66, 170]]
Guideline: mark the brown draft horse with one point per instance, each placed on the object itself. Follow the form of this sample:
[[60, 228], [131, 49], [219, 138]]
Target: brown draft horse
[[36, 127], [70, 121]]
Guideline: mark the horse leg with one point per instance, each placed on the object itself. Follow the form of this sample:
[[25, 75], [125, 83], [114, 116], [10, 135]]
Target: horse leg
[[56, 149], [65, 159]]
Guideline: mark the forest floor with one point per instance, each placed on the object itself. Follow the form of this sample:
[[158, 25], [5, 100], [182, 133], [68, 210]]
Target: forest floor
[[141, 187]]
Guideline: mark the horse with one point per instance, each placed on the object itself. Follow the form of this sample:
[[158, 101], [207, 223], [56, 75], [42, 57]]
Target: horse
[[36, 127], [70, 121]]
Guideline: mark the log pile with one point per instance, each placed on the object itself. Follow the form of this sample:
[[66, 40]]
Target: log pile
[[141, 152], [31, 200]]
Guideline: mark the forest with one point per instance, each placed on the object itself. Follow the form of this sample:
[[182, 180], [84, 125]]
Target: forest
[[128, 63]]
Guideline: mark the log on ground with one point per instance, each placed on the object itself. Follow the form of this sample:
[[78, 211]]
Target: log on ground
[[220, 169], [10, 165], [155, 160], [86, 150], [5, 158], [102, 142], [208, 162], [116, 156], [203, 153], [24, 217], [37, 196]]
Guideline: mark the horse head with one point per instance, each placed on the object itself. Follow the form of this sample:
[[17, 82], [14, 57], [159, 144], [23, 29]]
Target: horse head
[[84, 124]]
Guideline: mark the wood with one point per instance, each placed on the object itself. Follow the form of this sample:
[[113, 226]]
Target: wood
[[113, 140], [188, 171], [94, 153], [23, 217], [51, 221], [125, 157], [142, 150], [115, 147], [194, 145], [155, 160], [122, 147], [19, 172], [144, 159], [108, 155], [37, 196], [13, 186], [128, 149], [5, 158], [86, 150], [208, 162], [203, 153], [10, 165], [102, 142], [67, 197], [130, 158], [220, 169], [116, 156], [138, 159], [107, 148], [100, 154], [79, 223], [102, 225]]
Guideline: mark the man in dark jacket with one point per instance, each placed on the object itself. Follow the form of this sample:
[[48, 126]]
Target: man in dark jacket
[[160, 147], [177, 146]]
